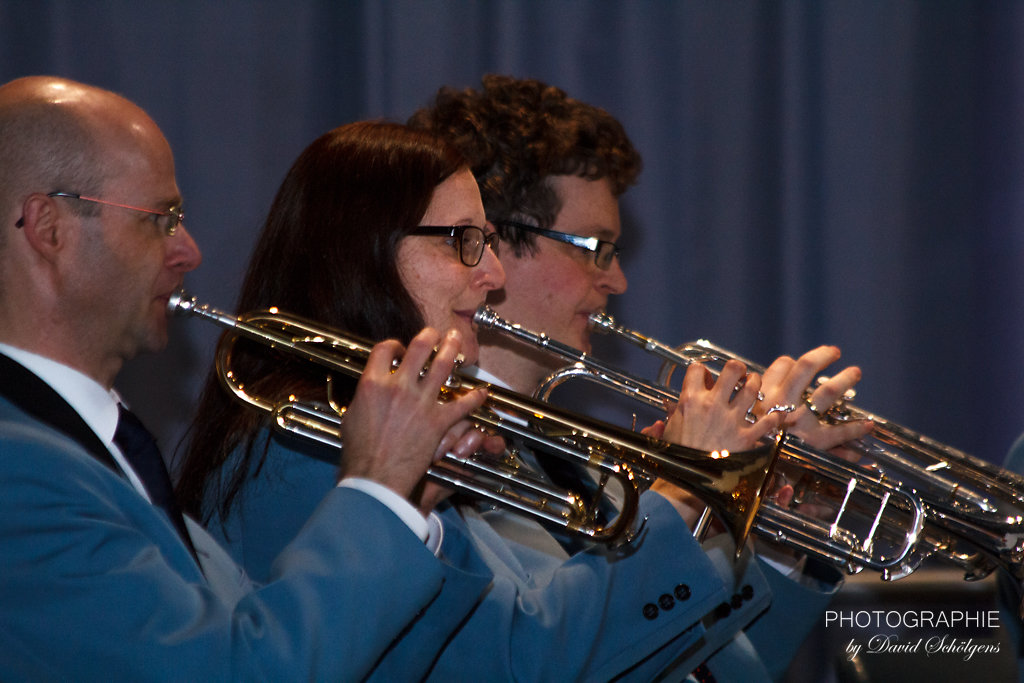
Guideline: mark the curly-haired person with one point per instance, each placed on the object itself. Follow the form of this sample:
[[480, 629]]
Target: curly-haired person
[[551, 171]]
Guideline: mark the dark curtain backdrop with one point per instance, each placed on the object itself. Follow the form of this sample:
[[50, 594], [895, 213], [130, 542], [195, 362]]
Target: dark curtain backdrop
[[815, 172]]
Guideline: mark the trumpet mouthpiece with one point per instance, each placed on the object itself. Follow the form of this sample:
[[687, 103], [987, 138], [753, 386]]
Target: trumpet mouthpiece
[[485, 317], [601, 321], [180, 303]]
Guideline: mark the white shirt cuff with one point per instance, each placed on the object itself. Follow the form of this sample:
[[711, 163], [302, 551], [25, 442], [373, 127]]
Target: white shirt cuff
[[435, 535], [396, 503], [786, 563]]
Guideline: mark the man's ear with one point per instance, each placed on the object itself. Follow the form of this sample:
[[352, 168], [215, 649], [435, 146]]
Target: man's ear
[[43, 226]]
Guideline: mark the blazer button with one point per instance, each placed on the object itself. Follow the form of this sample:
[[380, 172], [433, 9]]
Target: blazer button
[[650, 611], [737, 601], [723, 610], [747, 592], [666, 601], [682, 592]]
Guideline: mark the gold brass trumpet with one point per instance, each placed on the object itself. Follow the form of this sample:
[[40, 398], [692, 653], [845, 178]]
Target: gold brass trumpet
[[865, 518], [732, 484]]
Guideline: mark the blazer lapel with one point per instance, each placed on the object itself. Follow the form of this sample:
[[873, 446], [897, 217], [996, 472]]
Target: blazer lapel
[[37, 398], [34, 396]]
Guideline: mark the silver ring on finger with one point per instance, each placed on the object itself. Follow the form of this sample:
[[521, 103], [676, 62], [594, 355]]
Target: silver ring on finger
[[751, 417], [815, 411]]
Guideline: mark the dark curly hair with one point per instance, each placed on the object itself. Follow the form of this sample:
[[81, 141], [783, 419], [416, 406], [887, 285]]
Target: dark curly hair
[[517, 132]]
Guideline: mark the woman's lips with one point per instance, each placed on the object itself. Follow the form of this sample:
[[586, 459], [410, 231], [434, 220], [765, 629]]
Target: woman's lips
[[466, 314]]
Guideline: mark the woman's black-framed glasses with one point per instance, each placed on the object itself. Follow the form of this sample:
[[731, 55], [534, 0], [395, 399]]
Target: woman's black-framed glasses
[[167, 221], [470, 239], [604, 251]]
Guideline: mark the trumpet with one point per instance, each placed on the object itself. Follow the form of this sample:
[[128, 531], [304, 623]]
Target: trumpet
[[731, 483], [915, 499], [974, 510]]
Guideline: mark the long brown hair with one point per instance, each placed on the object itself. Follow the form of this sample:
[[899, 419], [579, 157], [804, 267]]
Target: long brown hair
[[327, 252]]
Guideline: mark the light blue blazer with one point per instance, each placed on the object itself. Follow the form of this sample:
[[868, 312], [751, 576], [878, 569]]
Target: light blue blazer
[[660, 606], [96, 584], [1010, 594]]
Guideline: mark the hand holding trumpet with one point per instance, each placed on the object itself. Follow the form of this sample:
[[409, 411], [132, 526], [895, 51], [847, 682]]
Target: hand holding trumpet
[[787, 382], [395, 427], [714, 414], [711, 415]]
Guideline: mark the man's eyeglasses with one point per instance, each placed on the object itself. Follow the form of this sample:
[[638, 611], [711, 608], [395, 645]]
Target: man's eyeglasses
[[604, 251], [470, 239], [167, 221]]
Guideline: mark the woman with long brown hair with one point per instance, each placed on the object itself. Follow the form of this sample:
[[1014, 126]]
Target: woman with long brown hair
[[378, 230]]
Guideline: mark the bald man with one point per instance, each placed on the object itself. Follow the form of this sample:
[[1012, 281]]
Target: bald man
[[102, 577]]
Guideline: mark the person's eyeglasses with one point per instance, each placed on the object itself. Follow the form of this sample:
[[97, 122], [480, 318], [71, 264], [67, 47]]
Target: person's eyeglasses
[[604, 251], [167, 221], [470, 239]]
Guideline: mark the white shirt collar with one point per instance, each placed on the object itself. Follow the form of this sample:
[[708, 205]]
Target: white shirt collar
[[479, 373], [96, 405]]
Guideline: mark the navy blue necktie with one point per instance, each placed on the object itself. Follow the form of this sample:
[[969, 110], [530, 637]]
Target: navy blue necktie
[[140, 449]]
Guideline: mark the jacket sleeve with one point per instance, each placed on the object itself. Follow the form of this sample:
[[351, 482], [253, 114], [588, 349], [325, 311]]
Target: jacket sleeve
[[798, 603], [1010, 594], [594, 616], [96, 583]]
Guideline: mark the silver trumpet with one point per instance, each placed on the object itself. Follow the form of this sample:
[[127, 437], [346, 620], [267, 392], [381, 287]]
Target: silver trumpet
[[732, 484], [912, 498], [974, 510]]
